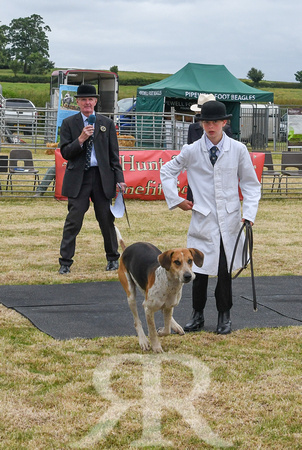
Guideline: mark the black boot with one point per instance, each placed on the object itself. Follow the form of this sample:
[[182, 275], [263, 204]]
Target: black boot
[[196, 323], [224, 323]]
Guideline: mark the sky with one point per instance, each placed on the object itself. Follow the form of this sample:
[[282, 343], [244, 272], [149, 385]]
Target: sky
[[162, 36]]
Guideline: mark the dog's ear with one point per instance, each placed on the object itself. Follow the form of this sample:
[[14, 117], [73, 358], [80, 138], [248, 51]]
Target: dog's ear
[[198, 256], [165, 258]]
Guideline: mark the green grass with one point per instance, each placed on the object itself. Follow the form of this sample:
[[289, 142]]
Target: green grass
[[48, 396], [38, 93], [288, 97], [49, 399]]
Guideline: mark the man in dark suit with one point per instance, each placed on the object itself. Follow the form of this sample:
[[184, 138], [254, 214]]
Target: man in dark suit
[[195, 130], [93, 171]]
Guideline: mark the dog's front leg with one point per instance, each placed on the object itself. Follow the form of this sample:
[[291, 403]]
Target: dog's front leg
[[142, 338], [169, 322], [153, 336], [167, 313]]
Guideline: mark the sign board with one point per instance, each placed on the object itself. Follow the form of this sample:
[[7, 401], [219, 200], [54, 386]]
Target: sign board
[[67, 105], [294, 128]]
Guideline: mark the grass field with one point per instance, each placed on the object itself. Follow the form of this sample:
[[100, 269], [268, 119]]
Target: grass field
[[50, 396], [33, 240], [38, 93]]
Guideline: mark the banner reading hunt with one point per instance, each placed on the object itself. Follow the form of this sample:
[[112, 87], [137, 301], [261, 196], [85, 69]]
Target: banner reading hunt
[[142, 173]]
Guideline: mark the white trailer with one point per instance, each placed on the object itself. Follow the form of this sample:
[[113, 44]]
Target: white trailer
[[105, 82], [258, 123]]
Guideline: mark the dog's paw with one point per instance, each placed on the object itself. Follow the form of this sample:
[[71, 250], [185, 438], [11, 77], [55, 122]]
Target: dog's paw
[[179, 330], [144, 344], [157, 349], [176, 327], [162, 332]]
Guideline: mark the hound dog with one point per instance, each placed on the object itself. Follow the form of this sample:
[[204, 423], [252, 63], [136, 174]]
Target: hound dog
[[160, 276]]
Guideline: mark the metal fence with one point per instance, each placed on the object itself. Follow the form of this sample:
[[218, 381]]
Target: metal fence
[[261, 129]]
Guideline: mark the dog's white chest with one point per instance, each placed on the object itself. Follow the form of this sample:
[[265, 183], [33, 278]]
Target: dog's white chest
[[164, 291]]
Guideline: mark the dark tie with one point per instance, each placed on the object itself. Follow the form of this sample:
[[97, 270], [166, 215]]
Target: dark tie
[[213, 154], [88, 152]]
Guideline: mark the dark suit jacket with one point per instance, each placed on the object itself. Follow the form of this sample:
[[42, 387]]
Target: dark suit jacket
[[194, 133], [106, 150]]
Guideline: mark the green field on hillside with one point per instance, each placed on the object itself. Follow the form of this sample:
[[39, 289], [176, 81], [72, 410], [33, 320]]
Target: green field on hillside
[[38, 93]]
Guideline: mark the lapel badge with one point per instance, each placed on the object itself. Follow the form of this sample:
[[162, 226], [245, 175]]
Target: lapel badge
[[103, 129]]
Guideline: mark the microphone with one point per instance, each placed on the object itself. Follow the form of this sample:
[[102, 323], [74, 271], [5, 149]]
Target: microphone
[[91, 121]]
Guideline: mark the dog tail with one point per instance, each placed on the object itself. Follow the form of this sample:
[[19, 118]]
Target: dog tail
[[120, 240]]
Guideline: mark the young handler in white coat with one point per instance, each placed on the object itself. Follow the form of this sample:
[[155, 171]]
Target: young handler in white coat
[[216, 212]]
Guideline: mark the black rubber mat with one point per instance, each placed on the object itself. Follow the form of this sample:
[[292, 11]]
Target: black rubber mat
[[88, 310]]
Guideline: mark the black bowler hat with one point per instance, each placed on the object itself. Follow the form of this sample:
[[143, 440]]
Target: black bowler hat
[[86, 90], [214, 110]]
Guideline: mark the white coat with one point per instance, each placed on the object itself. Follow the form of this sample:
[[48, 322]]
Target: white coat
[[217, 208]]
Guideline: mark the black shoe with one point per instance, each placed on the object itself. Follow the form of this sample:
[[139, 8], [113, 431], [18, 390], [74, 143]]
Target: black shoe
[[64, 270], [224, 323], [196, 323], [112, 265]]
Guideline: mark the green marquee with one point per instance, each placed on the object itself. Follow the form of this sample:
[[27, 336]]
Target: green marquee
[[194, 79]]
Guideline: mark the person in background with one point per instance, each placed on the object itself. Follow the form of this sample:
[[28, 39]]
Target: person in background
[[93, 172], [50, 176], [215, 164], [195, 129]]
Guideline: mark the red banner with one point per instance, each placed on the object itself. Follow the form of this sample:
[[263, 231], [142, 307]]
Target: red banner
[[258, 163], [142, 172], [60, 171]]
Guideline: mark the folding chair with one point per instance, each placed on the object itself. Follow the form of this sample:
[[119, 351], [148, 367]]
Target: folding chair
[[270, 171], [26, 168], [291, 166], [3, 167]]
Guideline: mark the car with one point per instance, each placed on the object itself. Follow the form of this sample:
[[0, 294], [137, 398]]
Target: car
[[20, 113], [125, 123], [126, 104]]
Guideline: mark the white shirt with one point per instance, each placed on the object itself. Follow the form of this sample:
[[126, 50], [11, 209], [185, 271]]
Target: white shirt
[[210, 144]]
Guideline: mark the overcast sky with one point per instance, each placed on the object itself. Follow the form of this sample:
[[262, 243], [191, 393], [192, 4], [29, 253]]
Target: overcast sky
[[164, 35]]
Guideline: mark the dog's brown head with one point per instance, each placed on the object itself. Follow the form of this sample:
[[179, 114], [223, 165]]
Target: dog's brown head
[[179, 262]]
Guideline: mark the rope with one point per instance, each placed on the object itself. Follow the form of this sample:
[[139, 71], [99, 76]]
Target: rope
[[274, 310], [247, 256]]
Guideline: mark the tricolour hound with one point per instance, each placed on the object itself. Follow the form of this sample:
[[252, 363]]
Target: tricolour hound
[[160, 276]]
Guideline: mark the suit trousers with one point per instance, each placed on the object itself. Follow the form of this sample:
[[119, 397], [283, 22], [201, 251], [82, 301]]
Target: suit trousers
[[77, 207], [223, 290]]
